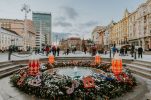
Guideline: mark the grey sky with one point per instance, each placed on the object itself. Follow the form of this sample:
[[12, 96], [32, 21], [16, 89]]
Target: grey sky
[[76, 16]]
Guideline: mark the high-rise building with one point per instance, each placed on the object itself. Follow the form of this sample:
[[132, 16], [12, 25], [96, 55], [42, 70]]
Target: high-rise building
[[42, 23]]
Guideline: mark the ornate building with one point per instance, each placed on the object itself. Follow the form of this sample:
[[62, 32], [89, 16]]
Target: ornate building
[[98, 36], [133, 29], [107, 36], [119, 31], [140, 26], [71, 42]]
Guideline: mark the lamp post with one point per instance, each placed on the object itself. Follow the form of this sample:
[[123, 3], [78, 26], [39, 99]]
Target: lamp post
[[110, 53], [10, 50], [56, 39], [25, 9], [40, 35]]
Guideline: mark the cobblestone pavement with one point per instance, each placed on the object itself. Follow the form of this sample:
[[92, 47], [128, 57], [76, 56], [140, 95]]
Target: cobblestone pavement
[[7, 92]]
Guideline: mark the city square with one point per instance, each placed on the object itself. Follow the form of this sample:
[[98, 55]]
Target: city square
[[75, 50]]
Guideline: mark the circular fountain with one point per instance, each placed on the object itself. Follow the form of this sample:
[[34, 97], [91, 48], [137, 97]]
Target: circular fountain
[[70, 80]]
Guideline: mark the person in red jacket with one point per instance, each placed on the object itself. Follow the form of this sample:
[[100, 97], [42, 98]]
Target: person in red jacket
[[47, 50]]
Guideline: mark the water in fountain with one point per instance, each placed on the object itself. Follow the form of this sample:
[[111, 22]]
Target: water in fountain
[[75, 72]]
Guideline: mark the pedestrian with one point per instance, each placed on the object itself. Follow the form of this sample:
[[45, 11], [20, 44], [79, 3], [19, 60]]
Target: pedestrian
[[75, 49], [67, 51], [114, 50], [72, 50], [85, 50], [58, 50], [47, 50], [43, 49], [132, 50], [105, 51], [121, 51], [94, 50], [38, 50], [126, 49], [10, 52], [54, 50], [140, 52]]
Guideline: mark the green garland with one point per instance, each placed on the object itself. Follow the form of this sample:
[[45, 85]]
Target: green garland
[[55, 86]]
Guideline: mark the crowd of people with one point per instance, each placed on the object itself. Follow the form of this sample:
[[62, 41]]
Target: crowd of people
[[49, 49], [93, 50], [124, 51]]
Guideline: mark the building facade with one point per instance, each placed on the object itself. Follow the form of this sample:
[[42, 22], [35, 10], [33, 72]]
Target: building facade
[[133, 29], [98, 36], [119, 31], [140, 26], [8, 38], [42, 23], [107, 35], [71, 42], [18, 27]]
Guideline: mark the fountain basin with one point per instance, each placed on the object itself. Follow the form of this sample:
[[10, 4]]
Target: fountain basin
[[75, 71]]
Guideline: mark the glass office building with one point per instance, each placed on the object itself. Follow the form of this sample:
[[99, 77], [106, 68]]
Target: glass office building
[[42, 24]]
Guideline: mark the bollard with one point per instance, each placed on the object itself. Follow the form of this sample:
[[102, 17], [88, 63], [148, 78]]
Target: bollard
[[10, 52], [110, 53], [9, 55], [135, 55]]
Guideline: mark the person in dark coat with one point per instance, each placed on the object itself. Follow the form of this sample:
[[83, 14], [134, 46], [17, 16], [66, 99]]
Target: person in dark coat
[[132, 50], [54, 50], [10, 52], [140, 52], [94, 50], [67, 51], [126, 51], [85, 50], [114, 49], [47, 50], [58, 51], [122, 51]]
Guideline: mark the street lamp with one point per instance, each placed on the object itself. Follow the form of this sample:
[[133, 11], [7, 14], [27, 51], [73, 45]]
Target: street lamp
[[40, 35], [56, 39], [10, 49], [25, 9]]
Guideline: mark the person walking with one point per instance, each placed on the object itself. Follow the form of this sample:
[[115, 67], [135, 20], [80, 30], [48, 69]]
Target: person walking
[[36, 51], [67, 51], [94, 50], [132, 50], [85, 50], [10, 52], [47, 50], [54, 50], [114, 50], [58, 51], [126, 51], [140, 52]]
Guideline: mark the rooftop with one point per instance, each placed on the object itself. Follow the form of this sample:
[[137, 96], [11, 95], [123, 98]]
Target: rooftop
[[11, 31]]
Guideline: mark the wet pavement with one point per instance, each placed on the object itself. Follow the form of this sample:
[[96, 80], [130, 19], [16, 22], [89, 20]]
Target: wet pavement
[[8, 92]]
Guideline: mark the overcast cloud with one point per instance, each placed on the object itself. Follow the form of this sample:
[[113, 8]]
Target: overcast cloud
[[72, 16], [70, 12], [62, 24]]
